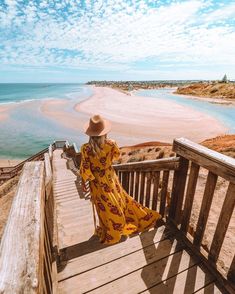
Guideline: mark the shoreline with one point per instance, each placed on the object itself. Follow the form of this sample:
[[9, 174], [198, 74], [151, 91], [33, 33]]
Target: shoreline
[[125, 111], [222, 101], [5, 162], [135, 119]]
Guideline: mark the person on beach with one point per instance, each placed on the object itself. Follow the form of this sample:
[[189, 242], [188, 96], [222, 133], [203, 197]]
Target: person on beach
[[119, 214]]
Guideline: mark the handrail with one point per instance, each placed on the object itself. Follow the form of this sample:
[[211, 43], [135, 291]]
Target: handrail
[[171, 163], [30, 230], [148, 183], [7, 173], [192, 157], [23, 233]]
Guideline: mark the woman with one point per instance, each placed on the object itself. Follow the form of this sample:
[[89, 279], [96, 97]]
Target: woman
[[119, 214]]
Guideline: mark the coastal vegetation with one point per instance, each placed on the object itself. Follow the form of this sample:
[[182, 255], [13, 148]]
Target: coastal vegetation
[[136, 85], [224, 90]]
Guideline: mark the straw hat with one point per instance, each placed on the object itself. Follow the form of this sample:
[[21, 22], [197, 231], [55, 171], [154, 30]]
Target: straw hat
[[97, 126]]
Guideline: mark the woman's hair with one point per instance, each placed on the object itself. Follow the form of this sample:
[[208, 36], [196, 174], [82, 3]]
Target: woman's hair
[[95, 143]]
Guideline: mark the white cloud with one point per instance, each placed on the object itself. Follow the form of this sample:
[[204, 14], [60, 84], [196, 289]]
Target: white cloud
[[112, 34]]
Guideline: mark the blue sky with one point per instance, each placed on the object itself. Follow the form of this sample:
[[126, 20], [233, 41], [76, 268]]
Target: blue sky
[[77, 41]]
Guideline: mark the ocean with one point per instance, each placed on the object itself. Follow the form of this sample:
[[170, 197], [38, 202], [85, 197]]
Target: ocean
[[26, 131]]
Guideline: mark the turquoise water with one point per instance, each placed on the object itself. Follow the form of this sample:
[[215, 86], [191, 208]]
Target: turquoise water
[[224, 113], [26, 131], [10, 93]]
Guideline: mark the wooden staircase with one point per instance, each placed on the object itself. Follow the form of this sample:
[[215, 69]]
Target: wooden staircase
[[51, 229]]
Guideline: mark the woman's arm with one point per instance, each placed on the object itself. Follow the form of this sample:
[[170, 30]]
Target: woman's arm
[[115, 151], [85, 171]]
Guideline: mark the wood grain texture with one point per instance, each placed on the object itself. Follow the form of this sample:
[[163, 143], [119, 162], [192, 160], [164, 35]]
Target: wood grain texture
[[223, 222], [148, 189], [171, 163], [205, 208], [137, 181], [164, 191], [118, 268], [191, 188], [142, 187], [178, 189], [23, 234], [220, 164], [156, 179], [132, 178]]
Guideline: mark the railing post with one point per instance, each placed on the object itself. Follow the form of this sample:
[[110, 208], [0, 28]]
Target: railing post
[[178, 189]]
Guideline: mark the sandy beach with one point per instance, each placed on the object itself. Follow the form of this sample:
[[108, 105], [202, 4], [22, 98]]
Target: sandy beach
[[9, 162], [137, 119], [159, 120], [4, 109]]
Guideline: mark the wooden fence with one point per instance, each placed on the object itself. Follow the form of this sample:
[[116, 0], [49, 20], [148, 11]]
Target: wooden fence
[[166, 185], [7, 173], [148, 182], [27, 259]]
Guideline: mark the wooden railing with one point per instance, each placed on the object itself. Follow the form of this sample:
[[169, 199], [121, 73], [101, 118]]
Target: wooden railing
[[166, 185], [7, 173], [153, 185], [193, 158], [27, 259], [148, 181]]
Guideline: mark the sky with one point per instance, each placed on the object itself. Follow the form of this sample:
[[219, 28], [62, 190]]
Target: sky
[[78, 41]]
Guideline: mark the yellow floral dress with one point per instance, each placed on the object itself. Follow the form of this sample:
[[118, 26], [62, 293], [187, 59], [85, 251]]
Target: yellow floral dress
[[119, 214]]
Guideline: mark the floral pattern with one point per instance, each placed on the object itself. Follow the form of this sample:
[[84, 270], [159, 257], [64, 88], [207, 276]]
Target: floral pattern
[[119, 214]]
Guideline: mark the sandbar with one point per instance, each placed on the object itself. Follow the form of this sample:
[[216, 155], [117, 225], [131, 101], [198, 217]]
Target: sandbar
[[149, 118]]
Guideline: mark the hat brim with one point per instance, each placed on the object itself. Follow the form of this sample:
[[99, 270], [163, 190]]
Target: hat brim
[[90, 132]]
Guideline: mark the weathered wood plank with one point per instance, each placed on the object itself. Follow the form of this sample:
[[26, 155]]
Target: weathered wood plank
[[178, 189], [118, 268], [231, 272], [161, 272], [164, 191], [223, 222], [142, 187], [211, 288], [205, 208], [171, 163], [220, 164], [22, 241], [132, 178], [50, 152], [202, 255], [156, 179], [48, 174], [107, 254], [125, 183], [137, 180], [148, 189], [187, 281], [191, 188]]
